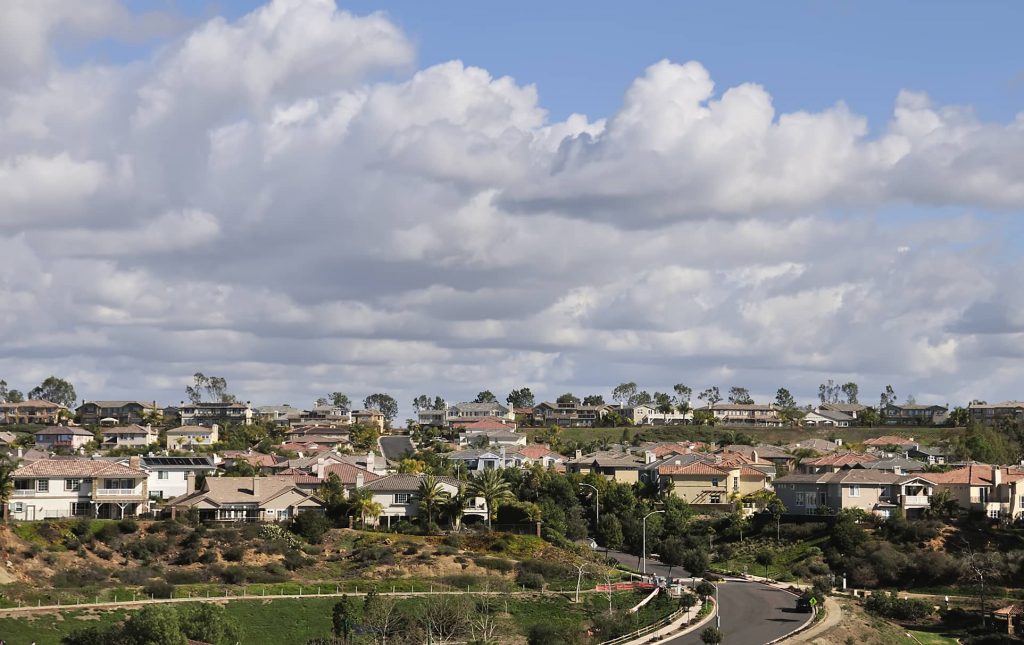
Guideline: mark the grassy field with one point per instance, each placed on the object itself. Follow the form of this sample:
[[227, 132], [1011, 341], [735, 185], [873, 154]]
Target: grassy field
[[286, 621], [928, 638]]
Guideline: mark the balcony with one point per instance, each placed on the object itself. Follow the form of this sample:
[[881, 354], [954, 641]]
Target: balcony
[[117, 493], [24, 493], [916, 501]]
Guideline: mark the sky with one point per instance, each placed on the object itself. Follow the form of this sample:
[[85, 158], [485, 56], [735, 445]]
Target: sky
[[440, 198]]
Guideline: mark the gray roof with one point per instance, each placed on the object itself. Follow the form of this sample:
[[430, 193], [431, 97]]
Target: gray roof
[[835, 415], [909, 465], [62, 430], [933, 451], [845, 476], [406, 483], [844, 407], [120, 404], [473, 453], [479, 407]]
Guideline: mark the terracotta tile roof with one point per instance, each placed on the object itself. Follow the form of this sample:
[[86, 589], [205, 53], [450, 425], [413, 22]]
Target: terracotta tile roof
[[695, 468], [408, 483], [76, 467], [977, 475], [678, 448], [347, 473], [60, 430], [538, 452], [257, 459], [1010, 610], [305, 447], [840, 459], [32, 403], [487, 423]]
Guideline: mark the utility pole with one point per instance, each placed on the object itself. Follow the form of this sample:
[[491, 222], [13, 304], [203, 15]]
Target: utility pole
[[597, 503]]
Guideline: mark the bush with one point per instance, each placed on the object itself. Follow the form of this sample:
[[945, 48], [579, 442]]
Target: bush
[[461, 581], [81, 577], [208, 556], [446, 550], [310, 525], [530, 580], [158, 589], [234, 575], [233, 553], [547, 568], [295, 560], [186, 577], [82, 529], [453, 540], [136, 575], [128, 525], [496, 564], [891, 606], [108, 533]]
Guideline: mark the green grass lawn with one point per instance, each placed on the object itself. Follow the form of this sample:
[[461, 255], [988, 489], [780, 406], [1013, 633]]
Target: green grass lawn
[[928, 638]]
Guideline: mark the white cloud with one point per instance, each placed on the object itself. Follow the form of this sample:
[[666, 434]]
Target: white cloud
[[282, 199]]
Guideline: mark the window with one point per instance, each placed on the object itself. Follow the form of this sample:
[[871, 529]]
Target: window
[[799, 499], [43, 485], [716, 498], [73, 484], [714, 482], [161, 474], [22, 484], [854, 490], [735, 483], [80, 509], [994, 514], [19, 507], [402, 498]]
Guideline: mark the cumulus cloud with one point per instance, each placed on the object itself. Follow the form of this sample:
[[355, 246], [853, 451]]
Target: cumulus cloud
[[283, 199]]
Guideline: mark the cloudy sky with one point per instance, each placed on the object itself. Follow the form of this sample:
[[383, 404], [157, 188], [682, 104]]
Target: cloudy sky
[[445, 197]]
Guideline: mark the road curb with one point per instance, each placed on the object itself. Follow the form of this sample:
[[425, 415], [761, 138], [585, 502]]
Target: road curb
[[668, 631]]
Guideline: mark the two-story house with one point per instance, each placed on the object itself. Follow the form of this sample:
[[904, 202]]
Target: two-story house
[[873, 491], [206, 414], [746, 414], [132, 436], [477, 459], [187, 437], [369, 417], [472, 411], [990, 414], [996, 491], [33, 411], [618, 466], [69, 437], [94, 413], [711, 486], [826, 418], [913, 414], [569, 414], [280, 415], [247, 499], [853, 410], [168, 476], [397, 495], [78, 487]]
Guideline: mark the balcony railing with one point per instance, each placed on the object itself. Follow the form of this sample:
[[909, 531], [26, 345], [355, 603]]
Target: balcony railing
[[916, 500], [24, 493], [117, 492]]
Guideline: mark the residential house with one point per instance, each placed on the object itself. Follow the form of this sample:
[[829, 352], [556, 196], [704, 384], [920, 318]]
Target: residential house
[[931, 455], [618, 466], [433, 417], [914, 414], [822, 446], [636, 414], [78, 487], [853, 410], [116, 413], [330, 416], [369, 417], [397, 495], [301, 432], [990, 414], [216, 413], [480, 459], [569, 414], [168, 477], [835, 462], [485, 424], [872, 491], [827, 418], [33, 411], [70, 437], [537, 454], [471, 411], [898, 465], [247, 499], [190, 436], [261, 462], [7, 440], [132, 436], [746, 414], [891, 443], [350, 475], [711, 486], [781, 459], [525, 416], [280, 415], [995, 491]]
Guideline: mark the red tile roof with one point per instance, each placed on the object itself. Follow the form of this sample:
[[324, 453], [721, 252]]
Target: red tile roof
[[889, 440], [538, 452], [347, 473], [77, 467], [487, 423]]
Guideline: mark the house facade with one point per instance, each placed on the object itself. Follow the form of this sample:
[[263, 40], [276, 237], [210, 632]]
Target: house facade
[[168, 477], [133, 436], [34, 411], [187, 437], [123, 413], [369, 417], [990, 414], [397, 495], [913, 414], [78, 487], [711, 486], [569, 414], [206, 414], [622, 467], [247, 499], [873, 491], [68, 437], [746, 414], [470, 411], [995, 491], [827, 418]]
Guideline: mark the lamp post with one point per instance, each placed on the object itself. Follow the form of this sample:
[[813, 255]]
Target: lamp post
[[718, 610], [597, 503], [644, 556]]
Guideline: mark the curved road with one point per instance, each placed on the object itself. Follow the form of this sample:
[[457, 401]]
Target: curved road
[[752, 613], [395, 447]]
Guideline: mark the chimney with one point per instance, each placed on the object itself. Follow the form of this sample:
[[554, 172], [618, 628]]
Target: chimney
[[370, 458], [190, 482], [754, 453], [256, 487], [21, 452], [997, 477], [579, 454], [134, 461], [648, 457], [360, 480]]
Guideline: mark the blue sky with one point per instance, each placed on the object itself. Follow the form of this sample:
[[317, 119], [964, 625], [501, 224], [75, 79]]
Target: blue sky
[[304, 200]]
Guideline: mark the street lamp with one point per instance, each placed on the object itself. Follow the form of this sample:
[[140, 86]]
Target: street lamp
[[718, 610], [644, 560], [597, 503]]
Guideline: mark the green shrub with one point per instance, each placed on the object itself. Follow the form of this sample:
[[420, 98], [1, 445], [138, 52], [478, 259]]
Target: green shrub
[[233, 553], [892, 606], [295, 560], [128, 525], [158, 589], [311, 525], [496, 564], [530, 580], [453, 540], [108, 533], [186, 576]]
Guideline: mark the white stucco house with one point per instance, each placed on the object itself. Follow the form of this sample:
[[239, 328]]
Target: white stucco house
[[58, 487]]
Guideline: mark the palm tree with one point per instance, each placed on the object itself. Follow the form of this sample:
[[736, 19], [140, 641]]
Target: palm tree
[[453, 506], [491, 486], [7, 467], [361, 503], [430, 494]]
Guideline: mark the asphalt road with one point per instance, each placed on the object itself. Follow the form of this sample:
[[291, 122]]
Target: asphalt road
[[752, 613], [395, 447]]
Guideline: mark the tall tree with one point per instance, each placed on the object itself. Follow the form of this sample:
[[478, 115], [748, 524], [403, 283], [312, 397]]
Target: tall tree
[[850, 391], [593, 399], [381, 617], [208, 388], [520, 398], [829, 392], [492, 487], [3, 391], [430, 494], [343, 618], [15, 396], [683, 394], [422, 402], [439, 403], [340, 400], [888, 397], [208, 623], [154, 625], [642, 397], [740, 395], [485, 397], [386, 403], [664, 403], [568, 397], [784, 400], [55, 390], [710, 396], [7, 468], [624, 393]]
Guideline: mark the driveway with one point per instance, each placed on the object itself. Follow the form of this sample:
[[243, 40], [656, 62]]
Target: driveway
[[394, 447], [752, 613]]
